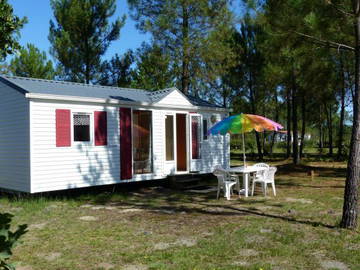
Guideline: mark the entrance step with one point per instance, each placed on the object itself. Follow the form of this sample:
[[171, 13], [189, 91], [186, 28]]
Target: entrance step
[[190, 180]]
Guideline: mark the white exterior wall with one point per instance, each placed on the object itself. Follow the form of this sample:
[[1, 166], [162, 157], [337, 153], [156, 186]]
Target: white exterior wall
[[14, 140], [175, 98], [158, 143], [213, 151], [81, 165]]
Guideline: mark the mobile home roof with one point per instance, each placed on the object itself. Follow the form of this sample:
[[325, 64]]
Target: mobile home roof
[[71, 89]]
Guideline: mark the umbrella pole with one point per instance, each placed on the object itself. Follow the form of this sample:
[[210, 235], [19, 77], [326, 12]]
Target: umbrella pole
[[243, 143]]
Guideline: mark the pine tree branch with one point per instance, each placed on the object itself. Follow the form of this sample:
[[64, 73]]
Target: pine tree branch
[[326, 43], [342, 11]]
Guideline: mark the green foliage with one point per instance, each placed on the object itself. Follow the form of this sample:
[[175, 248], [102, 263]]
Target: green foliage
[[294, 65], [191, 33], [31, 62], [8, 240], [117, 71], [4, 68], [10, 25], [81, 34], [247, 76], [154, 69]]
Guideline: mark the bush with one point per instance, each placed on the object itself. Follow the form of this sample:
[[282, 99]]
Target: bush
[[8, 240]]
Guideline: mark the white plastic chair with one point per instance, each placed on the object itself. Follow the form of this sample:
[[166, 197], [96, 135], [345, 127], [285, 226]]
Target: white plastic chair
[[260, 174], [261, 165], [226, 182], [268, 177]]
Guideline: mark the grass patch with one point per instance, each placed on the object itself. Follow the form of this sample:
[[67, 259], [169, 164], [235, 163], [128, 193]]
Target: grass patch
[[159, 228]]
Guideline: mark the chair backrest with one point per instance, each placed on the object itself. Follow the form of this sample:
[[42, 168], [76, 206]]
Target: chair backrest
[[220, 173], [263, 172], [220, 177], [270, 174], [262, 165]]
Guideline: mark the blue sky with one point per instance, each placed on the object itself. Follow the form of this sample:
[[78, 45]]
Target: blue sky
[[39, 14]]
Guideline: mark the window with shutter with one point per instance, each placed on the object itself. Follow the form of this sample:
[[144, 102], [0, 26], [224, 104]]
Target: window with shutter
[[81, 127]]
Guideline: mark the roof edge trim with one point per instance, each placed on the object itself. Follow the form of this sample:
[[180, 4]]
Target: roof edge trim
[[13, 85], [172, 89], [119, 102]]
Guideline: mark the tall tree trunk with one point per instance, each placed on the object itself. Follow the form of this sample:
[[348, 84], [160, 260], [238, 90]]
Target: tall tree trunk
[[351, 194], [258, 144], [321, 142], [224, 94], [342, 110], [272, 142], [288, 122], [87, 75], [87, 63], [303, 127], [253, 111], [185, 76], [294, 121], [263, 136], [276, 120], [330, 129], [321, 138], [265, 153]]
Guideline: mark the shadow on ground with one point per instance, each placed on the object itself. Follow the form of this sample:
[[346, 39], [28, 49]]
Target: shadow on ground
[[158, 197]]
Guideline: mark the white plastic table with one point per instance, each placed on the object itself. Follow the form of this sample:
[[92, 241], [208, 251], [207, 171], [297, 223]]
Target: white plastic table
[[246, 172]]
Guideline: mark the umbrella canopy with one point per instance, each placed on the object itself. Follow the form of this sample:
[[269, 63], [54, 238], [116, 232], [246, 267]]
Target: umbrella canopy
[[242, 123]]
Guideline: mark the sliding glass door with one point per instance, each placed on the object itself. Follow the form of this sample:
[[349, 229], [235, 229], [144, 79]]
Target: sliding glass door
[[142, 141], [169, 138]]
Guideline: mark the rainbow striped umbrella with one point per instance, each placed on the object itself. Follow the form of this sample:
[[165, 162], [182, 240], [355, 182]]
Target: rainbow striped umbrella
[[241, 123]]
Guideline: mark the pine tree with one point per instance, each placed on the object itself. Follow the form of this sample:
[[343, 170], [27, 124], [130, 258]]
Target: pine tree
[[118, 71], [81, 34], [153, 68], [31, 62], [333, 25], [190, 32], [10, 25]]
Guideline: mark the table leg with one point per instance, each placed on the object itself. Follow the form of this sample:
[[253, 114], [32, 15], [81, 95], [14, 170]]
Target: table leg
[[227, 191], [246, 184]]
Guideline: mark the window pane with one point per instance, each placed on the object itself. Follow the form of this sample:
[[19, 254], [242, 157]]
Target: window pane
[[195, 140], [142, 147], [81, 127], [169, 137], [205, 129]]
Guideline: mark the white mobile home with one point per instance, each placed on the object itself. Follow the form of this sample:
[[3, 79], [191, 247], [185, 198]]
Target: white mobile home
[[60, 135]]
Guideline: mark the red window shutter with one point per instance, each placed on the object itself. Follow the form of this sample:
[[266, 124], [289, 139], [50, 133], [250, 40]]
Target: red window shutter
[[195, 138], [125, 144], [63, 129], [100, 122]]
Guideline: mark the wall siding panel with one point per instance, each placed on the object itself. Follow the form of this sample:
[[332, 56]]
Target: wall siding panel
[[14, 140], [81, 164], [158, 143], [214, 151]]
